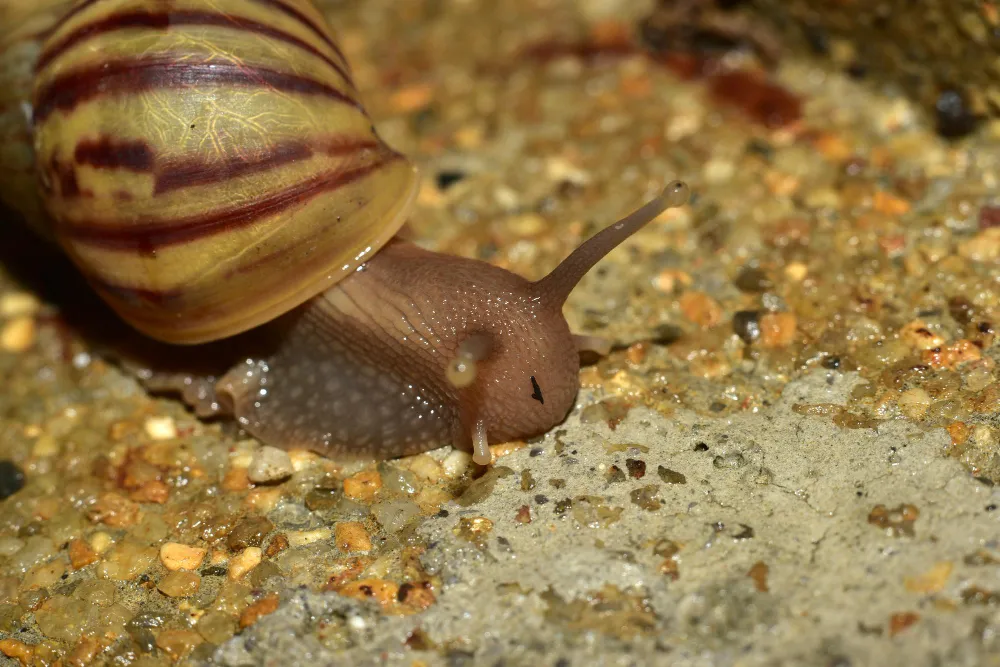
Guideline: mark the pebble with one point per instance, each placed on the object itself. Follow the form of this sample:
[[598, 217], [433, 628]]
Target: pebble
[[263, 607], [364, 486], [393, 515], [216, 626], [18, 304], [701, 309], [10, 545], [917, 335], [243, 562], [176, 556], [298, 538], [160, 428], [777, 329], [179, 584], [914, 402], [18, 335], [456, 463], [249, 532], [178, 643], [269, 464], [426, 468], [351, 537]]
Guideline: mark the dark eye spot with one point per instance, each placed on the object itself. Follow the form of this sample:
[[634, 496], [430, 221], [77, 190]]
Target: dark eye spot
[[537, 393]]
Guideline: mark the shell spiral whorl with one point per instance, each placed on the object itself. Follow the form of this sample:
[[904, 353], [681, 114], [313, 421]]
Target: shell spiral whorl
[[209, 166]]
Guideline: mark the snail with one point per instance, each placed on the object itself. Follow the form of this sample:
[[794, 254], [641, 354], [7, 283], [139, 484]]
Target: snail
[[211, 172]]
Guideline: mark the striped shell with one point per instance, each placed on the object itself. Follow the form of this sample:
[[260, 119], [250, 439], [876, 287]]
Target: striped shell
[[208, 165]]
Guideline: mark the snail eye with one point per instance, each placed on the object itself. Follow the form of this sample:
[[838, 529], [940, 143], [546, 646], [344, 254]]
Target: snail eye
[[536, 391]]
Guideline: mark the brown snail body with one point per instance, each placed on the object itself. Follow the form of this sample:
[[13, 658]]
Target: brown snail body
[[210, 171]]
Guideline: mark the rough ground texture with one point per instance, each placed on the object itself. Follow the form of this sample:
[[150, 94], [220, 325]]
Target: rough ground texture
[[754, 544], [789, 457]]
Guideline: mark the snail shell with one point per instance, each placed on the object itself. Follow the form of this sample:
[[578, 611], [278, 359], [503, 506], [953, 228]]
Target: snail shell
[[209, 177]]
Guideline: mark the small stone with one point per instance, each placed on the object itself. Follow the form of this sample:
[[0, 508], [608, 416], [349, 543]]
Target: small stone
[[20, 651], [561, 170], [243, 562], [100, 541], [426, 468], [777, 329], [351, 537], [155, 491], [646, 497], [523, 514], [160, 428], [796, 271], [636, 468], [456, 463], [669, 279], [914, 402], [918, 336], [931, 581], [363, 486], [901, 621], [216, 626], [180, 584], [752, 280], [263, 500], [701, 309], [18, 335], [45, 447], [322, 498], [81, 554], [126, 562], [278, 544], [17, 304], [176, 556], [97, 591], [758, 573], [249, 532], [380, 590], [178, 643], [236, 479], [115, 510], [983, 247], [300, 538], [670, 476], [746, 325], [269, 464], [955, 117], [11, 479], [263, 607], [393, 515]]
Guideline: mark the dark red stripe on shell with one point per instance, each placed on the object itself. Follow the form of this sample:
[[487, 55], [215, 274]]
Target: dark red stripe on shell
[[69, 14], [148, 237], [296, 14], [108, 153], [157, 73], [162, 20], [177, 174]]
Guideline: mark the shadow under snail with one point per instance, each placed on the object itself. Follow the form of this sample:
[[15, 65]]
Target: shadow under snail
[[210, 171]]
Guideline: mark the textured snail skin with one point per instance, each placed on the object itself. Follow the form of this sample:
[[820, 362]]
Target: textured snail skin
[[363, 369]]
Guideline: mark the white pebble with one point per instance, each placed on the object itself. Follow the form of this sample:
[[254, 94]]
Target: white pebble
[[269, 464], [456, 463], [299, 538], [160, 428]]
